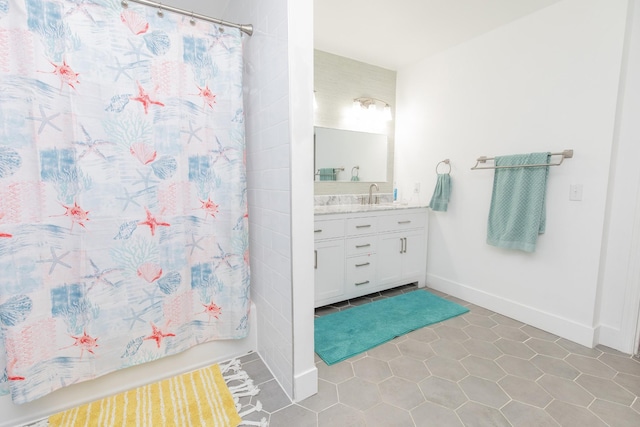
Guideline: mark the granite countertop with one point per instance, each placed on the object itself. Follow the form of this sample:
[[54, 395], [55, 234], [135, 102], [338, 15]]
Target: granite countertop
[[332, 209]]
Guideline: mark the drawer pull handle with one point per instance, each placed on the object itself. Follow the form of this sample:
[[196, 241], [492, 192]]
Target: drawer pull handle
[[315, 259], [362, 283], [363, 246], [318, 231], [404, 222], [363, 226], [363, 265]]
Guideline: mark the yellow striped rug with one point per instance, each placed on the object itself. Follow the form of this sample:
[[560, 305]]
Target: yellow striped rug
[[198, 398]]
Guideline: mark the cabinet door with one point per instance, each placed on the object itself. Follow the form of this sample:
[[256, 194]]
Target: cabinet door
[[329, 270], [414, 259], [390, 247]]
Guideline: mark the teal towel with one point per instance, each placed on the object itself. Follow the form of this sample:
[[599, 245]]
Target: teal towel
[[327, 174], [355, 172], [441, 194], [517, 213]]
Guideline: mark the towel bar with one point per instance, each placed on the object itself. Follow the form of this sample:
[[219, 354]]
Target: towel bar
[[446, 162], [335, 170], [566, 154]]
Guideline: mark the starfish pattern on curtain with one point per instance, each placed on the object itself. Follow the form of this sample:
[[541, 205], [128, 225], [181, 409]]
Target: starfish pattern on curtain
[[123, 201]]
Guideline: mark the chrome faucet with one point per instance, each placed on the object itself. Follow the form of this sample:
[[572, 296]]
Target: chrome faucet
[[371, 191]]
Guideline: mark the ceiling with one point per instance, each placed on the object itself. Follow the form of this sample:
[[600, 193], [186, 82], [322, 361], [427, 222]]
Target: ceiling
[[395, 33]]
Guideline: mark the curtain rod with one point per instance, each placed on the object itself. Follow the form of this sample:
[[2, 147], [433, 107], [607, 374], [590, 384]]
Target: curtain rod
[[245, 28]]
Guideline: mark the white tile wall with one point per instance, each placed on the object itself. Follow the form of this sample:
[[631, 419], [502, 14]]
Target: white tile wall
[[269, 182]]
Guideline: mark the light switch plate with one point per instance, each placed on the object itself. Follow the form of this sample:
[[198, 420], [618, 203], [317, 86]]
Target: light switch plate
[[575, 192]]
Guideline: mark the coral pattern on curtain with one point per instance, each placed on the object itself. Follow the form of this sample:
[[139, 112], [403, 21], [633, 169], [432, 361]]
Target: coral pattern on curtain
[[123, 205]]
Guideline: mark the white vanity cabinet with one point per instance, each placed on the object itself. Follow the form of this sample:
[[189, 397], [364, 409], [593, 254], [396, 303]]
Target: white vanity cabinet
[[375, 250], [402, 249], [329, 259]]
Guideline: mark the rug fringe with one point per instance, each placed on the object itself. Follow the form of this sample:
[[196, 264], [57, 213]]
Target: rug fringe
[[233, 364], [240, 375], [256, 408], [232, 373], [246, 386], [262, 423]]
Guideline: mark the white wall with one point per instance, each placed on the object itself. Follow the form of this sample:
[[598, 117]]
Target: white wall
[[620, 272], [305, 373], [546, 82], [268, 180], [278, 106]]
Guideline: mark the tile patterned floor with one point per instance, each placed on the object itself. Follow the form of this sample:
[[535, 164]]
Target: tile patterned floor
[[478, 369]]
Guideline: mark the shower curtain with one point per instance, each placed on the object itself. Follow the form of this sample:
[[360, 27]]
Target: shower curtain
[[123, 202]]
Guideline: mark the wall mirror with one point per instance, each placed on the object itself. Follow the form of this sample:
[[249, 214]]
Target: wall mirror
[[352, 155]]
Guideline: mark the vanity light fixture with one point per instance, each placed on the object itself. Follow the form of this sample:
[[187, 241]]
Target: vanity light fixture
[[370, 106], [386, 113]]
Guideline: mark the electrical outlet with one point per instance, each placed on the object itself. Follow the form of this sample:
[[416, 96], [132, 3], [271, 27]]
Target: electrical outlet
[[416, 187]]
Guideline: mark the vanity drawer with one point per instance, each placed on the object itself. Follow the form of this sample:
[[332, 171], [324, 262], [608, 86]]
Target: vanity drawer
[[363, 225], [400, 222], [361, 245], [329, 229], [361, 273]]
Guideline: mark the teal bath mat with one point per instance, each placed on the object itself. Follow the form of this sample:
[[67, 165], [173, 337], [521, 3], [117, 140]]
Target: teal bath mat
[[355, 330]]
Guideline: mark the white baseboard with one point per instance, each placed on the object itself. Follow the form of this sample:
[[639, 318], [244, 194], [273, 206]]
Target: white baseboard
[[305, 384], [116, 382], [555, 324], [613, 338]]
